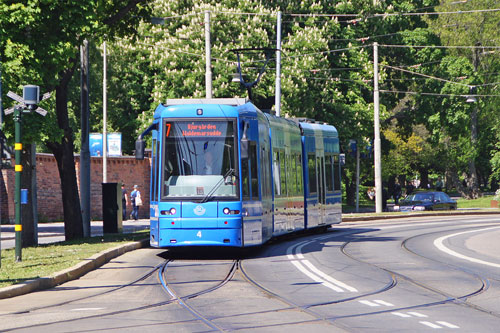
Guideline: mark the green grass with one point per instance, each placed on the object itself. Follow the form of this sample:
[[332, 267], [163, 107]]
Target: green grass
[[44, 260], [483, 202]]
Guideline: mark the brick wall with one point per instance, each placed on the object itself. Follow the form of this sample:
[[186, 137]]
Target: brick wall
[[119, 169]]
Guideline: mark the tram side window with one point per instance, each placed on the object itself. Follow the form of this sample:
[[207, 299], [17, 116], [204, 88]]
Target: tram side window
[[329, 173], [298, 161], [276, 170], [266, 182], [283, 173], [336, 172], [254, 171], [311, 164], [290, 175], [156, 170]]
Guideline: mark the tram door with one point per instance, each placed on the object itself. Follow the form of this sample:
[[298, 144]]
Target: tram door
[[252, 209], [321, 190]]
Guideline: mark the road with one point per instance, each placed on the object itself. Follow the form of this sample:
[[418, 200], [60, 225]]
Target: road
[[408, 274]]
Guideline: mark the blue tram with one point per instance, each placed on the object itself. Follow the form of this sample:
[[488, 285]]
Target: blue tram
[[226, 174]]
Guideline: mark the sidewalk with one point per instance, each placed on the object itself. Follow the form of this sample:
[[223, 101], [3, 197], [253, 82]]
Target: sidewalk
[[54, 232]]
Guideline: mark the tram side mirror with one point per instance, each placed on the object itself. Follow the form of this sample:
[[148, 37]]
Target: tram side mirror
[[244, 148], [140, 146]]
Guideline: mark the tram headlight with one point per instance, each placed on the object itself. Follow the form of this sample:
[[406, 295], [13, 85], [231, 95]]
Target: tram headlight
[[171, 211], [228, 211]]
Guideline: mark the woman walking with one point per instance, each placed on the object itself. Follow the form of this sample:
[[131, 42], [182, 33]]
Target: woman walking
[[136, 199]]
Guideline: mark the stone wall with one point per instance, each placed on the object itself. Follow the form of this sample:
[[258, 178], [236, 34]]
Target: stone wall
[[124, 169]]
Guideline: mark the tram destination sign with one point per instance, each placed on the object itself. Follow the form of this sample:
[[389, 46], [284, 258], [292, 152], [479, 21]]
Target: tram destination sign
[[198, 129]]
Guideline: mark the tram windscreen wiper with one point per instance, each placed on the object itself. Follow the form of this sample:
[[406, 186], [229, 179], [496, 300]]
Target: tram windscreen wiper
[[216, 186]]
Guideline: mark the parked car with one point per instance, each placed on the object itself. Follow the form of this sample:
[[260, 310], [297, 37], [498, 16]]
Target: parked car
[[426, 201]]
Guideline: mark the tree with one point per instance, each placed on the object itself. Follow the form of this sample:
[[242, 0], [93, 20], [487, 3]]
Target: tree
[[40, 40], [477, 29]]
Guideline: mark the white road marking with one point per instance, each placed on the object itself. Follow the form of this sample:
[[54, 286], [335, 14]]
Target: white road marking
[[417, 314], [439, 244], [87, 309], [313, 272], [328, 278], [369, 303], [381, 302], [315, 277], [402, 315], [444, 323], [431, 325]]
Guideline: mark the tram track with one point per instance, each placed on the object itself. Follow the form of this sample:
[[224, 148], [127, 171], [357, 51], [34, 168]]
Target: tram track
[[484, 283], [113, 289], [182, 300], [464, 299]]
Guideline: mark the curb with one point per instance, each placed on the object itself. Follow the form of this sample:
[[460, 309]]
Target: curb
[[383, 216], [72, 273]]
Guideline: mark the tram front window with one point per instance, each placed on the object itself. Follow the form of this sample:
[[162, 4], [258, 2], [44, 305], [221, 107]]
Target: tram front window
[[199, 160]]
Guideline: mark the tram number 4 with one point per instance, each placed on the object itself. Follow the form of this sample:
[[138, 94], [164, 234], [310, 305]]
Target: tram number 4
[[198, 234]]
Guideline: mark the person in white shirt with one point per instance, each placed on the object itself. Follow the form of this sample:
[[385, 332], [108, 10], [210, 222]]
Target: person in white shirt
[[209, 160]]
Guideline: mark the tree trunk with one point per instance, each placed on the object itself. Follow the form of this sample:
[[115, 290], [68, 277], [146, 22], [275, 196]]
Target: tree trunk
[[28, 210], [63, 153], [463, 190], [350, 191], [424, 178]]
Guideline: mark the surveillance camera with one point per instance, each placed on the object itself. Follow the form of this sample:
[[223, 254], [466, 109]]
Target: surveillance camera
[[31, 95]]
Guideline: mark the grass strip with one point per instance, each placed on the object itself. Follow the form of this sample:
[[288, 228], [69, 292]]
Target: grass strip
[[45, 260]]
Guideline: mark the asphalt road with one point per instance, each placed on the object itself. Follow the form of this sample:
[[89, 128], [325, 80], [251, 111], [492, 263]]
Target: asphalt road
[[406, 274]]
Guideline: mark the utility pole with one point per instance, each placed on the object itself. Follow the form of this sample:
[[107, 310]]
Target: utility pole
[[85, 149], [104, 121], [208, 56], [277, 102], [376, 125], [357, 177]]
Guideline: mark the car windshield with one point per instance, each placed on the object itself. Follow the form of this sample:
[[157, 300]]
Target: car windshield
[[197, 156], [422, 197]]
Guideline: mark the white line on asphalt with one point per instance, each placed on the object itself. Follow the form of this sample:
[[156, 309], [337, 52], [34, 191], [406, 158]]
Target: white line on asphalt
[[444, 323], [381, 302], [87, 309], [315, 277], [369, 303], [313, 272], [431, 325], [439, 244], [417, 314], [402, 315]]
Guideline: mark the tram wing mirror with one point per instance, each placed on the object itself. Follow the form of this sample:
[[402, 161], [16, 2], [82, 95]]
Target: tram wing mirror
[[244, 148], [244, 141], [140, 146]]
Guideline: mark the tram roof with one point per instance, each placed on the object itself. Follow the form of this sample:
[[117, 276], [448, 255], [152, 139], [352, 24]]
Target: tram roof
[[221, 101], [311, 128]]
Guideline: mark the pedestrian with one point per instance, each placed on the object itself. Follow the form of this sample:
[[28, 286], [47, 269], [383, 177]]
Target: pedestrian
[[409, 188], [385, 196], [209, 160], [396, 194], [124, 203], [439, 184], [136, 199]]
